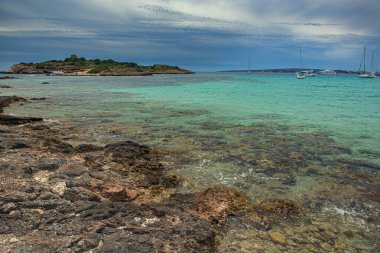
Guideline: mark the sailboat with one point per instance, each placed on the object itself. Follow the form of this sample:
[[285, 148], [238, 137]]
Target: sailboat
[[249, 64], [300, 74], [373, 70], [366, 74]]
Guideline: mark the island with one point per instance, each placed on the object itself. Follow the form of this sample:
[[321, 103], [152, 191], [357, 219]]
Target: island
[[79, 66]]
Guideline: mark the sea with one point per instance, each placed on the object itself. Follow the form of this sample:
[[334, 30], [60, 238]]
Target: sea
[[315, 141]]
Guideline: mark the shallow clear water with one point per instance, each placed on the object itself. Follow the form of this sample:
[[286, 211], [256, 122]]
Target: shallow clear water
[[316, 140]]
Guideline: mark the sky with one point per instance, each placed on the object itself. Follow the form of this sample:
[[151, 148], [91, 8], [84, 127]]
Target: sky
[[201, 35]]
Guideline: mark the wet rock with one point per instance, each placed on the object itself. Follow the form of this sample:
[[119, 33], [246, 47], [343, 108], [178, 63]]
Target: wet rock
[[42, 176], [70, 170], [45, 83], [329, 234], [313, 228], [38, 127], [7, 77], [6, 101], [349, 233], [75, 194], [18, 145], [127, 243], [217, 203], [43, 204], [354, 164], [15, 120], [6, 208], [277, 237], [311, 248], [375, 195], [115, 193], [42, 98], [83, 148], [3, 86], [59, 188], [170, 181], [56, 145], [326, 247], [88, 243], [282, 208], [126, 151], [50, 164], [14, 240], [29, 189], [291, 242]]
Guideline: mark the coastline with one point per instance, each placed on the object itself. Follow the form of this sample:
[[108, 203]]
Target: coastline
[[59, 197], [321, 201], [75, 66], [87, 74]]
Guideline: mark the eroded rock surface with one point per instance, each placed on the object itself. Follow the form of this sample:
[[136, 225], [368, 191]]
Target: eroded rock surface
[[60, 197], [55, 197]]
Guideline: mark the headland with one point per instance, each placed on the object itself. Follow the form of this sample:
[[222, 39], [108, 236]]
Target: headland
[[79, 66]]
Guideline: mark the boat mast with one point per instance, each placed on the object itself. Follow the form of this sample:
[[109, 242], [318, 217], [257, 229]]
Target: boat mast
[[373, 61], [249, 63], [365, 46], [300, 57]]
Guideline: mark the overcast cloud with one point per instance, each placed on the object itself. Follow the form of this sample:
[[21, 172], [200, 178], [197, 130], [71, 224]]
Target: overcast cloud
[[196, 34]]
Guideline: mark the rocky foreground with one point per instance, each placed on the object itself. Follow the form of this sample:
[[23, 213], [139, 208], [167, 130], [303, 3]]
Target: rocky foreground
[[56, 197]]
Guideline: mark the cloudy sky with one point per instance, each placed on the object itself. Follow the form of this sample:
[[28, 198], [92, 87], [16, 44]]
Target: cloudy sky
[[202, 35]]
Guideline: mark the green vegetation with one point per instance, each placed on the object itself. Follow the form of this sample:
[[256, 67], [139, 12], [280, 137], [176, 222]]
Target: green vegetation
[[98, 67]]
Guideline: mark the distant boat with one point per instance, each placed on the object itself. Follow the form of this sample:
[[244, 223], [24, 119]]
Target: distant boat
[[365, 74], [300, 74], [309, 73], [327, 72], [57, 73]]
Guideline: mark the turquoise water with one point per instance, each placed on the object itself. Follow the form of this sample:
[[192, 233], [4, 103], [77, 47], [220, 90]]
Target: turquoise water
[[316, 140], [345, 106]]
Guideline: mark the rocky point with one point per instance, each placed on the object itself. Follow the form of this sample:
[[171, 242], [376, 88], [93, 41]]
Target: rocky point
[[57, 197]]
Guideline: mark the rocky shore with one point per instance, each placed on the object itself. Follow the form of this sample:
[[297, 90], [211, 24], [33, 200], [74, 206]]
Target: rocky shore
[[59, 197], [56, 197]]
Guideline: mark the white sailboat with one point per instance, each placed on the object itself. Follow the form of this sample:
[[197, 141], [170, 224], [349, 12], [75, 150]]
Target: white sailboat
[[309, 73], [328, 72], [300, 74], [365, 74]]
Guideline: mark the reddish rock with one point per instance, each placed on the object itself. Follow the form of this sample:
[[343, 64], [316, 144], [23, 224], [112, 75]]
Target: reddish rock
[[114, 193], [217, 203], [282, 208], [132, 194]]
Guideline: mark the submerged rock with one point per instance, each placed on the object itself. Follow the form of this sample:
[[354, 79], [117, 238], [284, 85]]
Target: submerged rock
[[43, 98], [277, 237], [6, 101], [83, 148], [7, 77], [15, 120], [282, 208], [218, 203], [126, 151]]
